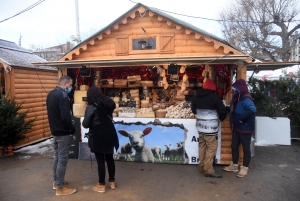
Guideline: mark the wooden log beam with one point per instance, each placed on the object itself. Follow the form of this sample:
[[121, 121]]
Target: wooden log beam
[[33, 86], [41, 122], [47, 134], [145, 24], [241, 70], [226, 131], [195, 49], [37, 109], [226, 123], [35, 137], [35, 114], [35, 132], [39, 72], [226, 137], [37, 118], [35, 81], [37, 127], [32, 91], [32, 100], [226, 151], [225, 144], [191, 42], [31, 105], [34, 76]]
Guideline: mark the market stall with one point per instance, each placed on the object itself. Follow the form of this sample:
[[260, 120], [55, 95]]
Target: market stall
[[151, 64]]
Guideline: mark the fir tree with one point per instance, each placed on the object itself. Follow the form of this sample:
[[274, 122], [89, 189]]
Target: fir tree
[[12, 125], [278, 98]]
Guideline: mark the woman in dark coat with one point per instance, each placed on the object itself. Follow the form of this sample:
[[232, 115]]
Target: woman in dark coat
[[242, 122], [98, 118]]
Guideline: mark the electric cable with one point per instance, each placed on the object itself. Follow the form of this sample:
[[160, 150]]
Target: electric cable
[[23, 11], [204, 18]]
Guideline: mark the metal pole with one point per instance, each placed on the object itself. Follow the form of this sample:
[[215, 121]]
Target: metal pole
[[77, 21], [297, 50]]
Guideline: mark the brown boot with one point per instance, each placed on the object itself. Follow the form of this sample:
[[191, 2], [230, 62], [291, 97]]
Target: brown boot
[[232, 168], [54, 185], [243, 171], [65, 191], [99, 188], [112, 185]]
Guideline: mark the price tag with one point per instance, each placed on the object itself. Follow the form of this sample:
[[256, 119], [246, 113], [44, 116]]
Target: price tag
[[122, 103], [131, 104]]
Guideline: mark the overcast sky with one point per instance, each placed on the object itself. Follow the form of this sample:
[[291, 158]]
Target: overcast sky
[[52, 22]]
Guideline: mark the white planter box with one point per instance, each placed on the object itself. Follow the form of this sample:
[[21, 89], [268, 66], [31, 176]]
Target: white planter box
[[273, 131]]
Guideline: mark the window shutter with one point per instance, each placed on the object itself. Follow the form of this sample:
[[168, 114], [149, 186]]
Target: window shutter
[[167, 43], [121, 46]]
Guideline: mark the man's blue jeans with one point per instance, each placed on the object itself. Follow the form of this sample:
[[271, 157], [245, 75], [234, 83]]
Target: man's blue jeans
[[61, 152]]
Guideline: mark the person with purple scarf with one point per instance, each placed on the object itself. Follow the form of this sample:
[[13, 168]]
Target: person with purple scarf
[[242, 122]]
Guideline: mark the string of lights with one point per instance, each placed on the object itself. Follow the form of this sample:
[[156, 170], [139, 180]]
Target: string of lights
[[23, 11], [204, 18]]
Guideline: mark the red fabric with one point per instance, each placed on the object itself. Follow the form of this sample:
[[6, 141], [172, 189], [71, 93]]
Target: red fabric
[[209, 84]]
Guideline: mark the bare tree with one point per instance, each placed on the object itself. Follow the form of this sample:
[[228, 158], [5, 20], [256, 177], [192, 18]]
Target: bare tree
[[261, 28]]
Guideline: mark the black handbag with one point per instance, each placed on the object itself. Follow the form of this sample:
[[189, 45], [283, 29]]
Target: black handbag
[[90, 137]]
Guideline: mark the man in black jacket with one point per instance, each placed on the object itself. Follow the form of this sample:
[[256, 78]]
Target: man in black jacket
[[209, 109], [62, 129]]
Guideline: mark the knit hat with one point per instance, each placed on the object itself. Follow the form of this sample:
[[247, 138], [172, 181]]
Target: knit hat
[[209, 84]]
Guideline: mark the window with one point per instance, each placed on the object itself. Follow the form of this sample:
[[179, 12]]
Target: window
[[144, 44]]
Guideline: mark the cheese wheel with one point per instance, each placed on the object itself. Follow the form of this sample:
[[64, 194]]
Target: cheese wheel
[[79, 109], [78, 96]]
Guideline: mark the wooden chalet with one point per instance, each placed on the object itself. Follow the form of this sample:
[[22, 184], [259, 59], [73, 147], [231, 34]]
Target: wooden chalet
[[29, 84]]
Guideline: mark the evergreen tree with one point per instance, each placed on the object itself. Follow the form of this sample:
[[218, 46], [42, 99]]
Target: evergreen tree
[[12, 125], [278, 98]]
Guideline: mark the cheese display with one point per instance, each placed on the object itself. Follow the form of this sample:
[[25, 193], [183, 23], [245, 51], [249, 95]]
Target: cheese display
[[127, 112], [78, 95], [180, 110], [145, 112], [79, 105], [120, 83]]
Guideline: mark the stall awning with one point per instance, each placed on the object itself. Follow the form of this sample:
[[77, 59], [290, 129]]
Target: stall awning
[[143, 62], [270, 65]]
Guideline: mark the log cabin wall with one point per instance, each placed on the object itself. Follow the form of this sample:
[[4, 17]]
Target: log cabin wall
[[30, 87]]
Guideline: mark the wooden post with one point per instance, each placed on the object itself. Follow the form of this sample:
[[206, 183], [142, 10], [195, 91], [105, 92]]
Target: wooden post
[[241, 70], [61, 72]]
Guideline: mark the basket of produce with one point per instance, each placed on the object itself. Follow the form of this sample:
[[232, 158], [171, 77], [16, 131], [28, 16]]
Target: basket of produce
[[160, 113]]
